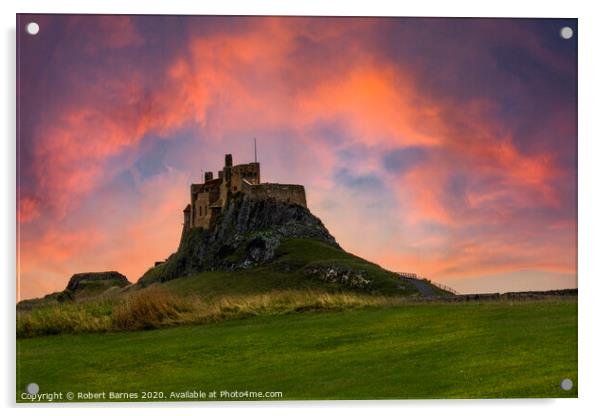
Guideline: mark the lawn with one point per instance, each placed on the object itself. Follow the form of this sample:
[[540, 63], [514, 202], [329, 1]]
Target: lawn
[[416, 350]]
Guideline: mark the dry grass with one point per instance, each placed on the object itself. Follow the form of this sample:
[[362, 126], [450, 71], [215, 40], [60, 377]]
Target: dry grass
[[153, 308], [279, 303], [148, 309], [64, 318]]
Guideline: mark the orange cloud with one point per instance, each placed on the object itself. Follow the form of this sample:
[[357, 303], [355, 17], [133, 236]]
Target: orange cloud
[[280, 77], [29, 209]]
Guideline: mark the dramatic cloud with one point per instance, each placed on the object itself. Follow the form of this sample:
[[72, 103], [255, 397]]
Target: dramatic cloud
[[444, 147]]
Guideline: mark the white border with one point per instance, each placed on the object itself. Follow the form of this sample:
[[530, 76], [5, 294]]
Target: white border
[[590, 202]]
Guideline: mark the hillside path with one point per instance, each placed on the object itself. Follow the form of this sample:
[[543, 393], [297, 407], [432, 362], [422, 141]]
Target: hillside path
[[424, 288]]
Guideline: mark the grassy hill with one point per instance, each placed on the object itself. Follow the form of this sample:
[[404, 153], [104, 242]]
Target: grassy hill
[[305, 274], [298, 264], [253, 248], [414, 350]]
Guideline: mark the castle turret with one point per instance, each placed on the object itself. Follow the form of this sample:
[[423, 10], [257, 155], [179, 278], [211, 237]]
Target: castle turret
[[186, 226], [228, 170], [208, 176]]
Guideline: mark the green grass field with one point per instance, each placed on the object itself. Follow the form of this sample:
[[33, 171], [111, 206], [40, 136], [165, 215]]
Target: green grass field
[[414, 350]]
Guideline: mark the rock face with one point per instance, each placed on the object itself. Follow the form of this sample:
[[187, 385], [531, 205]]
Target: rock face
[[247, 233], [343, 276], [81, 278]]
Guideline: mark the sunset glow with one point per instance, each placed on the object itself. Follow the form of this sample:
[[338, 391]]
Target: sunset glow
[[444, 147]]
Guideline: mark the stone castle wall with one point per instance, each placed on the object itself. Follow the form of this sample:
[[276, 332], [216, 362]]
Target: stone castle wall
[[291, 194], [200, 217], [249, 172]]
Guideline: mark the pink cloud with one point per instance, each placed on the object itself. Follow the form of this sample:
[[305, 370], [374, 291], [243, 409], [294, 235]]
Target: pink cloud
[[238, 83]]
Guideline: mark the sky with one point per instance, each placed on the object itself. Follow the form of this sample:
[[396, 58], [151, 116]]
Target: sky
[[443, 147]]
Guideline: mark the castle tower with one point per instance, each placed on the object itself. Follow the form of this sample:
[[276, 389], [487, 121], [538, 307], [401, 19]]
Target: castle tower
[[228, 170], [208, 176]]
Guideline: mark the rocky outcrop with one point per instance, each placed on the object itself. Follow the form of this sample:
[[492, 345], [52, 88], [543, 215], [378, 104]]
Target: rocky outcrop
[[341, 275], [79, 279], [247, 233], [81, 285]]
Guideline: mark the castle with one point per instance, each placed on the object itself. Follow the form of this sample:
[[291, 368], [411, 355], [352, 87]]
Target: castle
[[209, 198]]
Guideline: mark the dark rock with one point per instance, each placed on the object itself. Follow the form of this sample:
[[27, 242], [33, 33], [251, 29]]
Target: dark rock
[[64, 296], [247, 233], [79, 278]]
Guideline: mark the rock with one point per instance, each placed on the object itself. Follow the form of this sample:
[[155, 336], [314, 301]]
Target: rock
[[79, 278], [341, 275], [246, 234]]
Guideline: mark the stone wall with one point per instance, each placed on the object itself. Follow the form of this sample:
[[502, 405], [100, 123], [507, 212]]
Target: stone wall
[[200, 210], [291, 194], [200, 214], [248, 171], [477, 297]]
